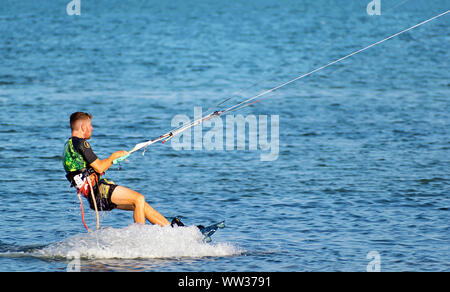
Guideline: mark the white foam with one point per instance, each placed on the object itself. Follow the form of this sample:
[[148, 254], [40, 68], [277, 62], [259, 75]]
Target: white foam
[[139, 241]]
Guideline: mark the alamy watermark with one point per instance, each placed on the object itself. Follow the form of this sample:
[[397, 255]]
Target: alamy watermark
[[230, 136], [74, 7], [374, 7], [75, 264], [375, 261]]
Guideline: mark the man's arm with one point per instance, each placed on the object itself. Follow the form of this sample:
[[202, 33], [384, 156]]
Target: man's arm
[[101, 165]]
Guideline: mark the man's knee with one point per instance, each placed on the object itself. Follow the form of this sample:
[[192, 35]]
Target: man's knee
[[139, 200]]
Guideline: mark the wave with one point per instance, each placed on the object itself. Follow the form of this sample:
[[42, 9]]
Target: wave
[[138, 242]]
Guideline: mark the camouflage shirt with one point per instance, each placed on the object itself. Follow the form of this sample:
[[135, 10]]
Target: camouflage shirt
[[77, 155]]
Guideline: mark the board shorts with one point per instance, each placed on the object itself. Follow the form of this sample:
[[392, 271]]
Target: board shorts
[[103, 192]]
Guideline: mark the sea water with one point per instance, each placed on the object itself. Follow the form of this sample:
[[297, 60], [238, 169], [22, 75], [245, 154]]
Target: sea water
[[362, 172]]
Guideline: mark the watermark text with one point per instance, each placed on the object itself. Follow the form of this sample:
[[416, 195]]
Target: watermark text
[[239, 132]]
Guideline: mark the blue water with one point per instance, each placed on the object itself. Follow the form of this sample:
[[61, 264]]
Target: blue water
[[363, 160]]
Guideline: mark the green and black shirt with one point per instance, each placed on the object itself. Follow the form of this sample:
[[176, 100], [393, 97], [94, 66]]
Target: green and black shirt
[[77, 158], [77, 155]]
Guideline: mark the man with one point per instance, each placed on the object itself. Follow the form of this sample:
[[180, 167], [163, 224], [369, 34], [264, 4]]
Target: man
[[81, 165]]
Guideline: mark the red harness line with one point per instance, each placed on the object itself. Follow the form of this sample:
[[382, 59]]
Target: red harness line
[[91, 191], [82, 211]]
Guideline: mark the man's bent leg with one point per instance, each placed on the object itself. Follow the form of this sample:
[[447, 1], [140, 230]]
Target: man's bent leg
[[154, 216], [127, 199]]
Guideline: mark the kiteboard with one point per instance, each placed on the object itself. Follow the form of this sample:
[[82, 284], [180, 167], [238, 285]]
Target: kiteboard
[[208, 231]]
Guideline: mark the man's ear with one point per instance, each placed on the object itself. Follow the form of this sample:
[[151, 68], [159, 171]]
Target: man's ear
[[83, 126]]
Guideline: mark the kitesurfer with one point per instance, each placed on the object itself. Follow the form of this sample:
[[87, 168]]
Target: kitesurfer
[[82, 167]]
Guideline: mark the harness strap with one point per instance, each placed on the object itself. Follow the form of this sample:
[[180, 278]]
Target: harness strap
[[79, 180], [93, 199], [82, 211], [84, 181]]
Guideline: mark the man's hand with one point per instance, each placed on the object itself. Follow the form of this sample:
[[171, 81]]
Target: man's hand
[[118, 154], [101, 166]]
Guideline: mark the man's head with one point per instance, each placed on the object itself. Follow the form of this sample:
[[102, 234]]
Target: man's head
[[81, 125]]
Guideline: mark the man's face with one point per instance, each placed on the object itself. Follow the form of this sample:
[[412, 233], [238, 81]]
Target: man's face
[[88, 129]]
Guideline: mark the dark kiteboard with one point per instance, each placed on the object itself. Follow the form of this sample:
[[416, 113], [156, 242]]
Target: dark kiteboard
[[208, 231]]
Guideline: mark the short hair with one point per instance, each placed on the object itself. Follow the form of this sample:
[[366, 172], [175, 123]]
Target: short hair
[[78, 116]]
